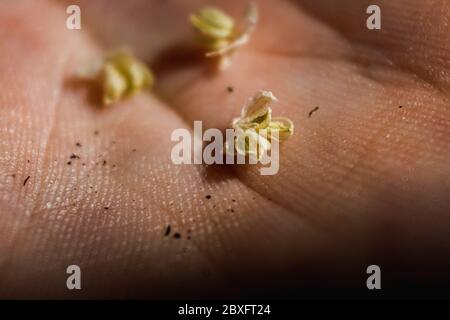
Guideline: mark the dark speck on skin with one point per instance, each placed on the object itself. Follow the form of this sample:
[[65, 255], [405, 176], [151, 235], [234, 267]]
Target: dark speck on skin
[[96, 132], [26, 180], [106, 208], [230, 89], [168, 229], [312, 111], [78, 144], [177, 235], [69, 163], [208, 197]]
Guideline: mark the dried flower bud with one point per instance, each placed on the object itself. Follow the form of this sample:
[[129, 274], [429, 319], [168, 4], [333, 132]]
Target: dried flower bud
[[213, 23], [255, 126], [120, 74], [114, 84], [256, 113], [137, 75], [216, 31]]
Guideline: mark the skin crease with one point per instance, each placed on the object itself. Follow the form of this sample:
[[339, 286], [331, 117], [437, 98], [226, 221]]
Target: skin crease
[[362, 181]]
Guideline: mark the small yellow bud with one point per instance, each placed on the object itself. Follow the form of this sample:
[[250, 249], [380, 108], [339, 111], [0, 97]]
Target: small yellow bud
[[114, 84], [120, 75], [217, 33], [213, 23], [137, 75]]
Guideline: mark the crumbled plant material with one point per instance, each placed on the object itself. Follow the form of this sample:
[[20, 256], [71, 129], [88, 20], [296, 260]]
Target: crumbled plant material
[[208, 196], [177, 235], [312, 111], [216, 32], [255, 127], [26, 180], [120, 75], [168, 229]]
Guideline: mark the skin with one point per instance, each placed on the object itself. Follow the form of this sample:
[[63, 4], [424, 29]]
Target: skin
[[362, 181]]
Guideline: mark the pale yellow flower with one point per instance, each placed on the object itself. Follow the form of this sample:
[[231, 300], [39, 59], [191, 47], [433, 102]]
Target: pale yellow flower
[[255, 127], [217, 32]]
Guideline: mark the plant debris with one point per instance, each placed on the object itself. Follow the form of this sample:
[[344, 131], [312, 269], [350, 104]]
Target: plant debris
[[168, 229], [312, 111], [26, 180]]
